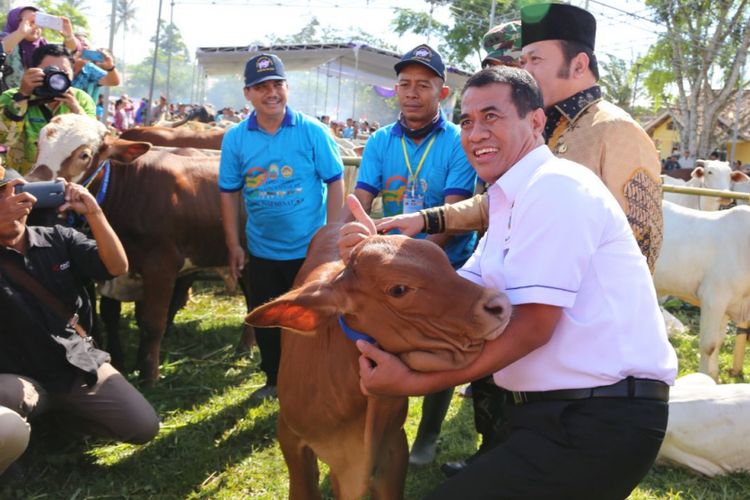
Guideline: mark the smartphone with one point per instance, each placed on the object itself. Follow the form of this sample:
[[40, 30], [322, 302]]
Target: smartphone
[[47, 193], [47, 21], [92, 55]]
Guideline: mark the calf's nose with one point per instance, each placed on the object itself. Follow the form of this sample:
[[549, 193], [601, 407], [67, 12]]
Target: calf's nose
[[496, 305]]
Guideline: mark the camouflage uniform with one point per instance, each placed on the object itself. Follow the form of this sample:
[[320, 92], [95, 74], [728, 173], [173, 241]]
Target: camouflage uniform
[[21, 121], [503, 45]]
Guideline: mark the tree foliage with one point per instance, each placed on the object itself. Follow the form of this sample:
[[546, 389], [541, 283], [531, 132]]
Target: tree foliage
[[460, 41], [696, 65], [314, 32], [66, 8], [180, 67]]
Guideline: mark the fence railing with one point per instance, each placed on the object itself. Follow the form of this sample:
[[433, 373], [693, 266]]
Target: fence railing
[[354, 161]]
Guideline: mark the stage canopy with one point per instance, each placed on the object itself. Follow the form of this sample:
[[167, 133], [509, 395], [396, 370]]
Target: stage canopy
[[345, 60]]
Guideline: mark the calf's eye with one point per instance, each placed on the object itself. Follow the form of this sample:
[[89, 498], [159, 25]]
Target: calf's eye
[[398, 291]]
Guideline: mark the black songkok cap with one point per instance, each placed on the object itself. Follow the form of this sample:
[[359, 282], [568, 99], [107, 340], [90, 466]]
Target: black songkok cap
[[555, 21]]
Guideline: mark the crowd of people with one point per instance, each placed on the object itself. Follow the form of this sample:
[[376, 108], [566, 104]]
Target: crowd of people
[[539, 160]]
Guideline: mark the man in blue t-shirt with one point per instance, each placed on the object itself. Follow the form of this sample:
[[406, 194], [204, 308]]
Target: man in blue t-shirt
[[415, 163], [289, 171]]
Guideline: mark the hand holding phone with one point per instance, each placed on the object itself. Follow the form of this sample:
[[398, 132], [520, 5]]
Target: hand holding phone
[[92, 55], [46, 21]]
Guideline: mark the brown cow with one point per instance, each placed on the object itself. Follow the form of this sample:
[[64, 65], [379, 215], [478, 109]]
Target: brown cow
[[163, 206], [176, 137], [404, 293]]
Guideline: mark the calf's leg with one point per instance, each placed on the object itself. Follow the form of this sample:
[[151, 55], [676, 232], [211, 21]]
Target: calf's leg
[[152, 311], [301, 463], [390, 468], [740, 341], [109, 311], [712, 332]]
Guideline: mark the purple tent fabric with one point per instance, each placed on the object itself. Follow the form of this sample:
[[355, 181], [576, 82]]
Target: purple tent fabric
[[384, 91]]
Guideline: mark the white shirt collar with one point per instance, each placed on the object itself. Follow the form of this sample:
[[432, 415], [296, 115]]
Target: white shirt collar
[[517, 176]]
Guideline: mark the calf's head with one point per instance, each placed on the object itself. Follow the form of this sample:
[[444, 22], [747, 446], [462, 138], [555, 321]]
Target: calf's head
[[71, 144], [404, 293], [715, 174]]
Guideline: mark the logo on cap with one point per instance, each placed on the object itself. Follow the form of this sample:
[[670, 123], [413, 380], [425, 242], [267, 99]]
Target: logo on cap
[[423, 52], [264, 64]]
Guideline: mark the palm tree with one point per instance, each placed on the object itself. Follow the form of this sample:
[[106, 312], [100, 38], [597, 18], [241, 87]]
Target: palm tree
[[125, 14]]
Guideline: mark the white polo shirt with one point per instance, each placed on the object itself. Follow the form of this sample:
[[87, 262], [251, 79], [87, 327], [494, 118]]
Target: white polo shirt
[[557, 236]]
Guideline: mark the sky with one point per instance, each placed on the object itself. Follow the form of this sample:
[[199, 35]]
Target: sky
[[623, 29]]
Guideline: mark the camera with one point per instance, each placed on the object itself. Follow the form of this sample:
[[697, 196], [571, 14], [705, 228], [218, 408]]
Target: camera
[[56, 82], [48, 194]]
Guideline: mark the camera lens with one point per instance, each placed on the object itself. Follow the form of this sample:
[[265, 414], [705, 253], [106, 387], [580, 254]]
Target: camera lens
[[56, 82], [59, 82]]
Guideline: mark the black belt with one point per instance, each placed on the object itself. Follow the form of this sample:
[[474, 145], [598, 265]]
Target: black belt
[[634, 388]]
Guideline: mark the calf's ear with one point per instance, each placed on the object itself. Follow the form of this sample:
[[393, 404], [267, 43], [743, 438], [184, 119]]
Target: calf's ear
[[126, 151], [303, 310], [739, 177]]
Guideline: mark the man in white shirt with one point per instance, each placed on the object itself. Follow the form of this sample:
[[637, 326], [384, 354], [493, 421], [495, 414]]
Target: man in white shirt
[[686, 160], [585, 353]]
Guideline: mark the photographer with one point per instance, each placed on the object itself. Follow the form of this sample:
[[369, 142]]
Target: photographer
[[21, 36], [45, 92], [47, 361], [92, 74]]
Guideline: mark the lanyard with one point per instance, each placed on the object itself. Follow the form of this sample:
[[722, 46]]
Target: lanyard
[[413, 174]]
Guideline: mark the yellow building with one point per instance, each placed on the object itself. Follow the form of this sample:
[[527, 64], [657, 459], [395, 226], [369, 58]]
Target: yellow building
[[663, 132]]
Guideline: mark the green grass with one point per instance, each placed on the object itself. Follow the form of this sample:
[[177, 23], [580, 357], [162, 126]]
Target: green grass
[[216, 443]]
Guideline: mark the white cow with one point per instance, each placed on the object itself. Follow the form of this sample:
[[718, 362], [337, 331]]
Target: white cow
[[705, 260], [707, 426], [741, 187], [708, 174]]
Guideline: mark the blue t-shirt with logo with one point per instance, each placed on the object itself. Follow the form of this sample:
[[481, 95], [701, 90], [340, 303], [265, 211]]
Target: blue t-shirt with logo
[[283, 179], [446, 171]]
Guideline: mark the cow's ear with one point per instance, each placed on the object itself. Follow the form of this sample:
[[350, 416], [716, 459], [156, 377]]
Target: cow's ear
[[739, 177], [126, 151], [697, 171], [303, 310]]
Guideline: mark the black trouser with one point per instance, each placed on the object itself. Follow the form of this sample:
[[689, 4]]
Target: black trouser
[[596, 448], [265, 280], [490, 414]]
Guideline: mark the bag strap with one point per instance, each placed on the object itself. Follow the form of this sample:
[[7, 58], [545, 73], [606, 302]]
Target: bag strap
[[23, 279]]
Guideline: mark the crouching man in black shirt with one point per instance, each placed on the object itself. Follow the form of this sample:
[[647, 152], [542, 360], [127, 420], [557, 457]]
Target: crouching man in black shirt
[[47, 361]]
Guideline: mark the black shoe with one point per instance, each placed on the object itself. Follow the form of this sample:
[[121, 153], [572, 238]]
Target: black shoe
[[268, 391], [450, 469]]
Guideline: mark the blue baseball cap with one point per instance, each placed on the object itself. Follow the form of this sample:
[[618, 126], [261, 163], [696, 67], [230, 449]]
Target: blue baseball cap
[[263, 67], [424, 55]]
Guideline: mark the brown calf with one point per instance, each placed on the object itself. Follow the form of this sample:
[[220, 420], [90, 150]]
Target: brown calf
[[403, 293]]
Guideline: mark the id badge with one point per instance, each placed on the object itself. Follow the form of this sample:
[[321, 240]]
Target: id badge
[[413, 203]]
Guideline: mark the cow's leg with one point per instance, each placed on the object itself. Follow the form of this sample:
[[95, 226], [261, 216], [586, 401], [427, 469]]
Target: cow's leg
[[739, 349], [713, 325], [94, 331], [180, 297], [390, 467], [248, 332], [158, 284], [302, 464], [109, 311]]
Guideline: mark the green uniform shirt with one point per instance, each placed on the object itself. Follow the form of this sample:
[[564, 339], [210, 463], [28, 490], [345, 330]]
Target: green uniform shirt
[[20, 124]]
